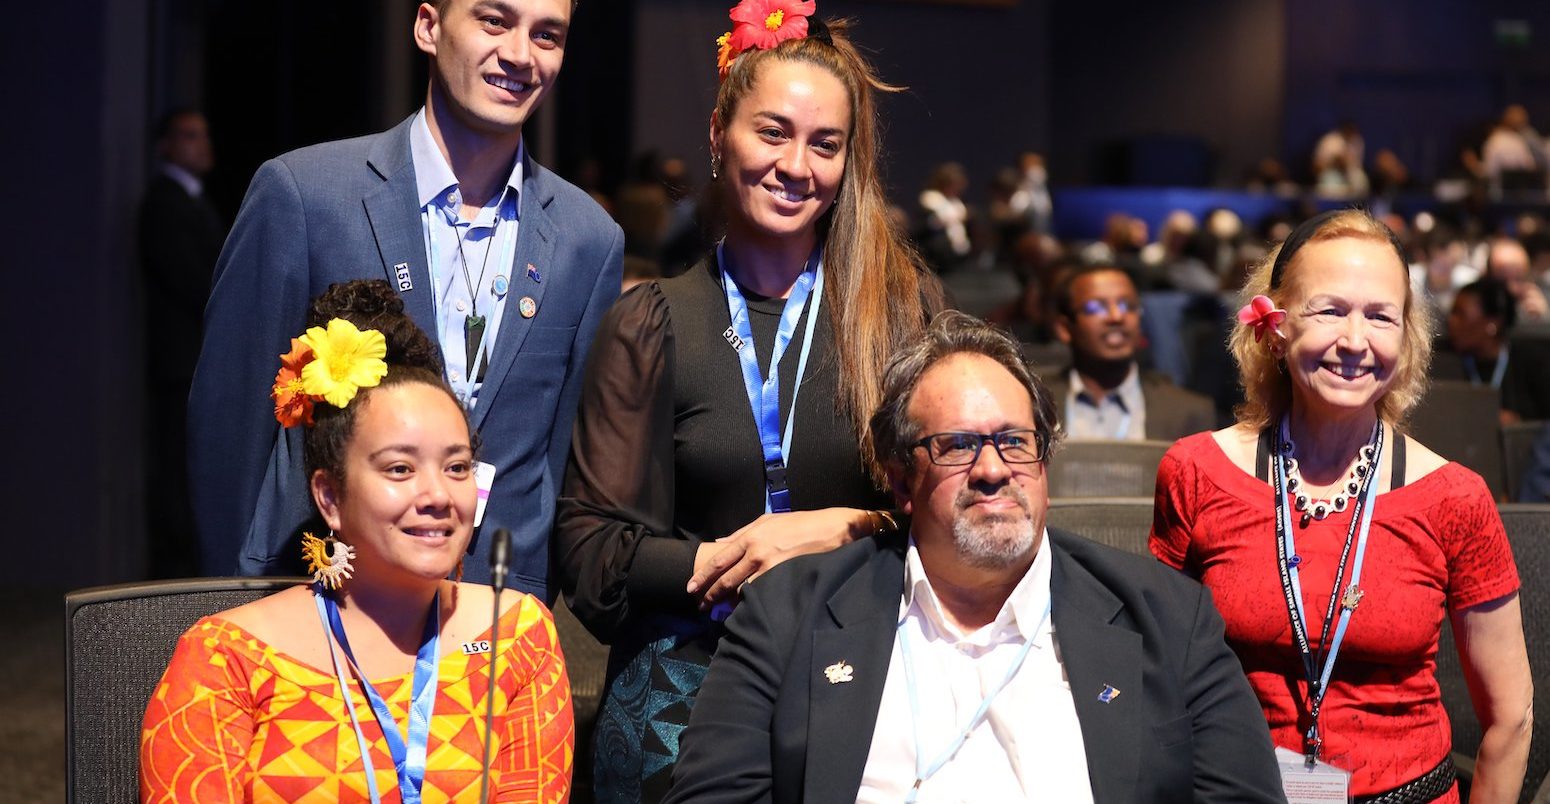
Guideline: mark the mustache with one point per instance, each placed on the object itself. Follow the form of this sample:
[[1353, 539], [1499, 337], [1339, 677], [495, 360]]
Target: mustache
[[967, 496]]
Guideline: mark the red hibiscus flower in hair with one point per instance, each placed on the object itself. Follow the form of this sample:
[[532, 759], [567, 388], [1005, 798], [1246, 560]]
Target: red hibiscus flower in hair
[[763, 24]]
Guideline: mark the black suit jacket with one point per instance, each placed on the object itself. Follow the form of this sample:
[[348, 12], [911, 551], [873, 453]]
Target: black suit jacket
[[768, 726], [180, 239], [1171, 412]]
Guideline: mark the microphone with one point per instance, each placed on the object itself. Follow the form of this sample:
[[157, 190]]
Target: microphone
[[500, 560], [500, 565]]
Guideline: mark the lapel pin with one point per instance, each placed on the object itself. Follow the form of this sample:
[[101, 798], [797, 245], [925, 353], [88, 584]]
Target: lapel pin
[[1352, 597], [401, 273], [532, 273], [839, 672], [500, 285], [527, 307], [1109, 694]]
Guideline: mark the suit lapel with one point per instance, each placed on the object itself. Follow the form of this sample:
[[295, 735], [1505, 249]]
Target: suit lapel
[[536, 237], [1097, 654], [391, 208], [842, 714]]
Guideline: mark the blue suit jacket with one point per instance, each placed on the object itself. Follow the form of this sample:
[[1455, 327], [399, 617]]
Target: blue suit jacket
[[349, 210]]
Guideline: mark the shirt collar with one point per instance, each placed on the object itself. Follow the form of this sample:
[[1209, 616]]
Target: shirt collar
[[433, 177], [188, 181], [1021, 615], [1127, 394]]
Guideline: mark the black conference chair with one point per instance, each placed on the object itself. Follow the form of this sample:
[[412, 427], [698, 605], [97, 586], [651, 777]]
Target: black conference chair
[[1123, 522], [1461, 422], [586, 663], [1528, 529], [1518, 453], [118, 640], [1106, 469]]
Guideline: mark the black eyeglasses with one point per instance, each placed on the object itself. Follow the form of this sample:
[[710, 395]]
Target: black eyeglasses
[[963, 449], [1095, 307]]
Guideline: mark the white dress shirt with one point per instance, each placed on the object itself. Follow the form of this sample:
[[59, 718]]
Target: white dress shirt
[[1028, 747]]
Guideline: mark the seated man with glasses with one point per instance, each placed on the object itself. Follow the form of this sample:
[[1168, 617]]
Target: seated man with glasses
[[1104, 394], [980, 656]]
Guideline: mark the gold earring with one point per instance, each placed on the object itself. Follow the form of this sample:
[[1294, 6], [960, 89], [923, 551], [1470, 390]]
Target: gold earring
[[329, 567]]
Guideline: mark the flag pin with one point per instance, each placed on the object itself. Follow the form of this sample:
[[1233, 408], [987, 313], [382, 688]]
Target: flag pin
[[1109, 694], [532, 273]]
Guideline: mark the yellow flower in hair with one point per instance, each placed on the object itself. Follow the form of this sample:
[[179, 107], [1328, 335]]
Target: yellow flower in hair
[[345, 360]]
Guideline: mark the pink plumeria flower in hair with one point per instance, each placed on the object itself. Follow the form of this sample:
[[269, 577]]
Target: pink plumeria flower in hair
[[1262, 314]]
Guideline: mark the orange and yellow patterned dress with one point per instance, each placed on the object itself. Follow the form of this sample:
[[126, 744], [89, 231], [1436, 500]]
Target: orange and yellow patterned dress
[[233, 719]]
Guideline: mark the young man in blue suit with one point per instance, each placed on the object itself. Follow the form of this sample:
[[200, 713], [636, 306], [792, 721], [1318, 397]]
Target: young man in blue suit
[[983, 657], [505, 265]]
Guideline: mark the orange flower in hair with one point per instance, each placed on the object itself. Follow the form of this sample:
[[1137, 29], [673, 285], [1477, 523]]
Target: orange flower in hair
[[292, 404], [761, 25]]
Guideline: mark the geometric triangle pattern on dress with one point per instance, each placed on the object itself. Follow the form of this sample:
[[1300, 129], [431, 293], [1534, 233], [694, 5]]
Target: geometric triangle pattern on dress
[[232, 719]]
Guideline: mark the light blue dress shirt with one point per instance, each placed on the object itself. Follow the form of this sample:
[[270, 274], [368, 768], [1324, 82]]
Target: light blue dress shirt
[[488, 243]]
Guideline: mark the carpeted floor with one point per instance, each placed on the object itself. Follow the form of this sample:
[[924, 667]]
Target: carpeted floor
[[32, 695]]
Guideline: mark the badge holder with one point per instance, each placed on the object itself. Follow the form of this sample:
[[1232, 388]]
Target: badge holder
[[1319, 783], [484, 479]]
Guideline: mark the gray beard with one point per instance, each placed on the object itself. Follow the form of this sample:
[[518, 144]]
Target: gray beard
[[994, 543]]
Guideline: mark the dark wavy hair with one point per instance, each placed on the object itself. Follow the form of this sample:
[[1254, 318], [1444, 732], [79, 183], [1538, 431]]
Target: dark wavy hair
[[411, 358], [894, 433]]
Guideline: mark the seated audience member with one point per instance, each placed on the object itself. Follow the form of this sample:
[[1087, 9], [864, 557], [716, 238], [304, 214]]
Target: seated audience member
[[1168, 260], [982, 656], [1480, 331], [1513, 156], [1337, 162], [296, 694], [945, 236], [1508, 261], [1333, 351], [1104, 394]]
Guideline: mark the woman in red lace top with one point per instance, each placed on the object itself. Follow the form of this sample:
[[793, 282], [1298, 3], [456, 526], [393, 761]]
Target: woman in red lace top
[[1334, 544]]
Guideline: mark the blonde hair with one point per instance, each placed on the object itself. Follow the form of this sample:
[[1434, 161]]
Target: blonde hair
[[877, 291], [1267, 389]]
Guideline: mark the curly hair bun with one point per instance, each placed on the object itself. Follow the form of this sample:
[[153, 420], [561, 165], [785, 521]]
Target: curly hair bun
[[374, 304]]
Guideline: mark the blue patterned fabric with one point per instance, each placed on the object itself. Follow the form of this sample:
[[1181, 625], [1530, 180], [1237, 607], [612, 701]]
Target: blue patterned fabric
[[652, 683]]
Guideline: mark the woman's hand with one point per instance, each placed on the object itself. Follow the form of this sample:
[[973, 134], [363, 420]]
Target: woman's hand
[[1495, 660], [723, 566]]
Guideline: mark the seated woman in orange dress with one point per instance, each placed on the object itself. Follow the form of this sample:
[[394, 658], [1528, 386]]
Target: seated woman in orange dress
[[371, 682]]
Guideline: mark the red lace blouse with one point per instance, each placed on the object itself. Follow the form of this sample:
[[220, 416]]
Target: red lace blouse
[[1435, 545]]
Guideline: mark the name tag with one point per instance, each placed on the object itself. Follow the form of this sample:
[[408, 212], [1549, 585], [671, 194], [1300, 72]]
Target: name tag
[[484, 479], [1320, 784], [482, 646]]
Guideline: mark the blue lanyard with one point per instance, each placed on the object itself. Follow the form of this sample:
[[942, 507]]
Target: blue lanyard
[[468, 388], [924, 770], [1291, 585], [408, 760], [1496, 375], [764, 393]]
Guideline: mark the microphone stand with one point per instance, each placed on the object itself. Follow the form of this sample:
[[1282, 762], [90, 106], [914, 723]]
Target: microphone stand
[[500, 560]]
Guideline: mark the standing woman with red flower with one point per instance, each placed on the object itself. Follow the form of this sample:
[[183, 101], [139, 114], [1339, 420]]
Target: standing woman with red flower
[[721, 420], [1334, 544]]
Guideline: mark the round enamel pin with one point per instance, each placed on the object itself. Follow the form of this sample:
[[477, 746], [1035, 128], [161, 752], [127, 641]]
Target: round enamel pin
[[527, 307]]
